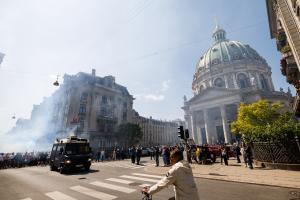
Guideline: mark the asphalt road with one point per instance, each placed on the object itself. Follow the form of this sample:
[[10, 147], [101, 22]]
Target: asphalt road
[[119, 180]]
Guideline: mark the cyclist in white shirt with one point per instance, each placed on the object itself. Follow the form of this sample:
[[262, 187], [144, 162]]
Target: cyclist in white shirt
[[181, 176]]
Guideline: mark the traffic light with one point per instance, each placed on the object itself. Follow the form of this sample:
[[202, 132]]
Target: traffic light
[[180, 132], [186, 133]]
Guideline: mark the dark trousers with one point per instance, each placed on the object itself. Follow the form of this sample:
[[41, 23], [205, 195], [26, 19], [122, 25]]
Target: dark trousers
[[138, 158], [133, 159], [249, 162], [157, 160], [225, 160], [238, 159]]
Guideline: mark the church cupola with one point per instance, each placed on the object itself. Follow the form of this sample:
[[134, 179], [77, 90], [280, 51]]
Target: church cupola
[[219, 34]]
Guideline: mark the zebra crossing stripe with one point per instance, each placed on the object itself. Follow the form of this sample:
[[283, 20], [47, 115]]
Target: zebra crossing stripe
[[27, 199], [120, 180], [140, 178], [93, 193], [56, 195], [144, 185], [113, 187], [147, 175]]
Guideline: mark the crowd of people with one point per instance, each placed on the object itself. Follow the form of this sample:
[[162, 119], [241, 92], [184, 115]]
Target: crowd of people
[[17, 160]]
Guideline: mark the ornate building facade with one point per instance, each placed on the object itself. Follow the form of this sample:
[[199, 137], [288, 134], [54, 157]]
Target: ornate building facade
[[283, 16], [157, 132], [91, 107], [94, 107], [229, 73]]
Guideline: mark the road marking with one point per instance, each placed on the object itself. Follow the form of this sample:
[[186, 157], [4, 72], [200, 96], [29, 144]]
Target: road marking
[[140, 178], [113, 187], [27, 199], [123, 164], [120, 180], [93, 193], [148, 175], [144, 185], [56, 195]]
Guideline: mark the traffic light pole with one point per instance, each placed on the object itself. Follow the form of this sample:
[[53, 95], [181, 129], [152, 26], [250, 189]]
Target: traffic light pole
[[184, 135]]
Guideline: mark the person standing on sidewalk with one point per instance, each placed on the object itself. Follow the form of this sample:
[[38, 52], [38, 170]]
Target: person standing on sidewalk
[[243, 152], [224, 156], [156, 155], [249, 156], [238, 153], [181, 176], [102, 155]]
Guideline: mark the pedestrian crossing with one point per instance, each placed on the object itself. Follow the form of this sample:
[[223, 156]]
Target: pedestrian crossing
[[115, 185], [122, 164]]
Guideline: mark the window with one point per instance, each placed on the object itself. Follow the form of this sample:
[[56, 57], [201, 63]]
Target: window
[[201, 88], [219, 82], [104, 99], [264, 82], [243, 81], [82, 109], [84, 96], [215, 61]]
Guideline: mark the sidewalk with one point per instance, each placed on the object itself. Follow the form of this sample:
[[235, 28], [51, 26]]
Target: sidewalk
[[237, 172]]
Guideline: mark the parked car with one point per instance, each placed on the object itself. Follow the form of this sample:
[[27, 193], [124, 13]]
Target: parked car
[[145, 151]]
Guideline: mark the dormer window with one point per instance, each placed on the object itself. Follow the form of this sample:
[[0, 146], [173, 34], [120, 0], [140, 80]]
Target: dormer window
[[215, 61]]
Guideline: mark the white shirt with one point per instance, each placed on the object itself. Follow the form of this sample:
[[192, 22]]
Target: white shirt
[[181, 176]]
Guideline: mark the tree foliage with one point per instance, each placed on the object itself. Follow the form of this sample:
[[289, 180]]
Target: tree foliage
[[130, 134], [263, 121]]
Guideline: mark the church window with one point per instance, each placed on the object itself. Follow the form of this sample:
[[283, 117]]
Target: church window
[[215, 61], [201, 88], [264, 82], [236, 57], [243, 81], [219, 82]]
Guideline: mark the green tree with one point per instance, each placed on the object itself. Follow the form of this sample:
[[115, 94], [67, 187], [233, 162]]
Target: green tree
[[263, 121], [130, 134]]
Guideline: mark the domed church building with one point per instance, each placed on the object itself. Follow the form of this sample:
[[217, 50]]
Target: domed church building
[[229, 73]]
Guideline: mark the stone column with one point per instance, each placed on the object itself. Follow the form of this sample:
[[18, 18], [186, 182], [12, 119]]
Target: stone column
[[226, 81], [225, 124], [235, 82], [207, 126], [258, 81], [192, 125], [271, 86]]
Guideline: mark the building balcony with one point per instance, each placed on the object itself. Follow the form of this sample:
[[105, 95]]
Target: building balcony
[[106, 117]]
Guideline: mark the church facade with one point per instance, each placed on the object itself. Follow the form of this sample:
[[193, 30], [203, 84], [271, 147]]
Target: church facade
[[229, 73]]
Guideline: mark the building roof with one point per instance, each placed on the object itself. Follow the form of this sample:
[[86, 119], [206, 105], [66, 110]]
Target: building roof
[[225, 51]]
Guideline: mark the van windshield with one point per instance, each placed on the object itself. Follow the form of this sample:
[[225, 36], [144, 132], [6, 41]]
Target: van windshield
[[77, 148]]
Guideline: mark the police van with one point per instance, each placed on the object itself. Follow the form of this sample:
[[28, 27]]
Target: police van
[[70, 153]]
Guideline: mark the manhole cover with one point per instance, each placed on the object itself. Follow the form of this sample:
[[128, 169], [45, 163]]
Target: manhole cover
[[81, 178]]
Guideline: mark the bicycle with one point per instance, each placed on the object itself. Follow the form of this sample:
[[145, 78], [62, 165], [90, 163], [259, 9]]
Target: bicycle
[[146, 196]]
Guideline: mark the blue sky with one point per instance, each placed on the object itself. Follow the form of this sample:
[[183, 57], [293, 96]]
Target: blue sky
[[151, 47]]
